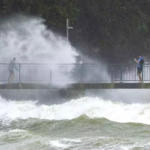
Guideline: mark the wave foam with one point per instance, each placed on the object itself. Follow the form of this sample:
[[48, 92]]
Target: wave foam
[[91, 107], [64, 143]]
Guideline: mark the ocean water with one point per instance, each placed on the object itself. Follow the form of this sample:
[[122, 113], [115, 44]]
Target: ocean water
[[87, 123]]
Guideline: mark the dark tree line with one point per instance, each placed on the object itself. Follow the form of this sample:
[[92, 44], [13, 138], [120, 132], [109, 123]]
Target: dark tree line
[[115, 30]]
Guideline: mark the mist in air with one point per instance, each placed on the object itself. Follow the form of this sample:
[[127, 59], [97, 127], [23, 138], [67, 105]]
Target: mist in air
[[28, 39]]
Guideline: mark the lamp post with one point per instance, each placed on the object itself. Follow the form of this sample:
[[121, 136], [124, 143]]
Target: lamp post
[[67, 29]]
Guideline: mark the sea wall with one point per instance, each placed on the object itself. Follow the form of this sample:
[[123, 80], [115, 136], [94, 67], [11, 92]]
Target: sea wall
[[50, 96]]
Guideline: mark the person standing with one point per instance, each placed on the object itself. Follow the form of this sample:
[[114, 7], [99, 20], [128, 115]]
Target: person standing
[[11, 67], [140, 62]]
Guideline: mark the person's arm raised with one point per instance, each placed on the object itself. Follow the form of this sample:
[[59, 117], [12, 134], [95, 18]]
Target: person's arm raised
[[136, 60]]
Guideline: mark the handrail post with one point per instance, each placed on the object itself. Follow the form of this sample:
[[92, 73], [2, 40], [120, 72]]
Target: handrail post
[[19, 73], [111, 73], [142, 73], [121, 74], [81, 72], [50, 75]]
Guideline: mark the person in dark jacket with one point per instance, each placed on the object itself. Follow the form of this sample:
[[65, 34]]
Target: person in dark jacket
[[140, 62]]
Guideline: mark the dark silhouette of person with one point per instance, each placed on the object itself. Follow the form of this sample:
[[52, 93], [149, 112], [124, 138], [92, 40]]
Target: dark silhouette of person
[[11, 67]]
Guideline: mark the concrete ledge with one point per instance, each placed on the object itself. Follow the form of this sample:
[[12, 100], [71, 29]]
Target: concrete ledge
[[25, 86], [77, 86], [111, 86]]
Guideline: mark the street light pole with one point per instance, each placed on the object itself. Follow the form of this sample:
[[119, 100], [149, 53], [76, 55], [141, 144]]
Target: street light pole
[[67, 29]]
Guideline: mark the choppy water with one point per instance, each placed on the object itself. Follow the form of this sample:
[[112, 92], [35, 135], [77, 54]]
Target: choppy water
[[83, 124]]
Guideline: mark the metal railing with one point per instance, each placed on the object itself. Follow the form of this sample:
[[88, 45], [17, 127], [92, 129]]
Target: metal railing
[[74, 73]]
